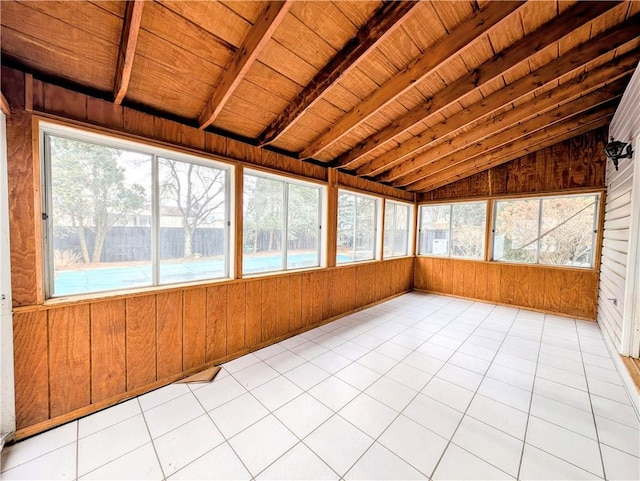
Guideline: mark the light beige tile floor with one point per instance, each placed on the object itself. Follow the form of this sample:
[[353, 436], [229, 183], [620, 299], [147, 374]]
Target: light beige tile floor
[[420, 387]]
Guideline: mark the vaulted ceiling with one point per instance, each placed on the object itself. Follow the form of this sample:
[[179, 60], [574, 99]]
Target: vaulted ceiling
[[411, 94]]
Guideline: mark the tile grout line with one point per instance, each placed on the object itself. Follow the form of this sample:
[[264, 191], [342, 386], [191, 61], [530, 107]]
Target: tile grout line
[[77, 476], [533, 386], [593, 414], [336, 413], [164, 476], [400, 413], [450, 441]]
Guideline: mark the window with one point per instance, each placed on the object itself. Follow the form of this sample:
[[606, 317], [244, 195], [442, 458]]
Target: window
[[551, 230], [357, 227], [282, 223], [453, 230], [397, 217], [122, 215]]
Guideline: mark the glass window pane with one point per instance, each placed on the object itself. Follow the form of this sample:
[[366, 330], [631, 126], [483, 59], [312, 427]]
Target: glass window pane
[[389, 228], [516, 230], [401, 238], [263, 224], [434, 229], [192, 234], [303, 246], [346, 227], [568, 225], [365, 228], [396, 229], [101, 217], [468, 230]]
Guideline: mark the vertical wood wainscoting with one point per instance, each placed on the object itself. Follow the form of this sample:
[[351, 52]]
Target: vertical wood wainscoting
[[567, 292], [74, 359]]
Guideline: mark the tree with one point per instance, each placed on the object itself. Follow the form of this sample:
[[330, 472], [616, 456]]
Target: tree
[[468, 229], [303, 217], [263, 213], [197, 191], [563, 236], [90, 191]]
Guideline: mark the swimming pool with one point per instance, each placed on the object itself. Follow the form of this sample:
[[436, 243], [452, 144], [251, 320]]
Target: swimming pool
[[99, 279]]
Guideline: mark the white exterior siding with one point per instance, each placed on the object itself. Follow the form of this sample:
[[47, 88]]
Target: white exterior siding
[[619, 255]]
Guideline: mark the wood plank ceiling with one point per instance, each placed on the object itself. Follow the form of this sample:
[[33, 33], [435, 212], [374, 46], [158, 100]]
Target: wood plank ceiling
[[411, 94]]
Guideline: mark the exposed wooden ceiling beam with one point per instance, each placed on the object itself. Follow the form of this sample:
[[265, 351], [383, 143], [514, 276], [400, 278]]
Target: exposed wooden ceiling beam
[[578, 15], [257, 38], [572, 118], [377, 28], [425, 163], [460, 38], [570, 61], [514, 134], [127, 51], [4, 106], [604, 118]]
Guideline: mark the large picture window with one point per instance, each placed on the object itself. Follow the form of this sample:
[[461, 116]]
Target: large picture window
[[120, 215], [557, 231], [281, 223], [453, 230], [357, 227], [397, 221]]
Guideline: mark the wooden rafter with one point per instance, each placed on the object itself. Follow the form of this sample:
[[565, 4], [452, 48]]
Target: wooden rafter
[[127, 51], [570, 61], [257, 38], [377, 28], [578, 15], [512, 135], [426, 162], [586, 110], [558, 135], [4, 105], [460, 38]]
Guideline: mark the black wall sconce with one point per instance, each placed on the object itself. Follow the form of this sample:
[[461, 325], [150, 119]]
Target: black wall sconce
[[615, 150]]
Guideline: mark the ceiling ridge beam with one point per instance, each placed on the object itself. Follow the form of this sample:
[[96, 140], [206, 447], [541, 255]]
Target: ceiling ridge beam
[[585, 109], [416, 167], [253, 44], [569, 62], [127, 51], [460, 38], [603, 118], [548, 33], [378, 27]]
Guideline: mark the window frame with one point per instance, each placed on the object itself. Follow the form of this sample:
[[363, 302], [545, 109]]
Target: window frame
[[487, 222], [322, 212], [410, 224], [46, 128], [597, 229], [378, 220]]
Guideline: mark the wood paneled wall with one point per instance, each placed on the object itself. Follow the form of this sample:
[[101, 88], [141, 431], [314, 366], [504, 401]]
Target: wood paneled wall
[[573, 165], [577, 163], [570, 292], [76, 358]]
